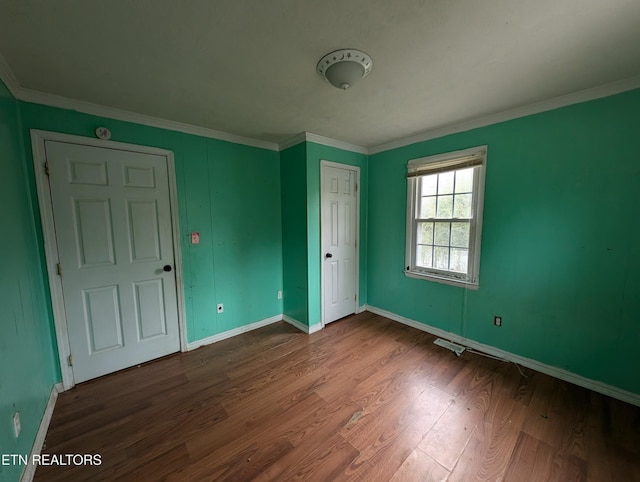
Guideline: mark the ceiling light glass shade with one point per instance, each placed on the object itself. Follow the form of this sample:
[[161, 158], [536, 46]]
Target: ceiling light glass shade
[[345, 67]]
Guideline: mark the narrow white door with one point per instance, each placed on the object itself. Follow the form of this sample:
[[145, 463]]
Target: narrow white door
[[339, 229], [113, 228]]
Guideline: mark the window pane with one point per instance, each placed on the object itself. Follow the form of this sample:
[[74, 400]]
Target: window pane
[[460, 235], [445, 206], [425, 233], [464, 180], [441, 258], [424, 256], [445, 182], [462, 206], [442, 234], [427, 207], [459, 260], [442, 212], [429, 185]]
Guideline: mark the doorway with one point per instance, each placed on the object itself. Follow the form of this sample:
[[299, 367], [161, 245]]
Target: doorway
[[111, 239], [339, 239]]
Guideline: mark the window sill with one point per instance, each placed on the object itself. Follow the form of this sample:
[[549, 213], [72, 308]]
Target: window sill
[[443, 280]]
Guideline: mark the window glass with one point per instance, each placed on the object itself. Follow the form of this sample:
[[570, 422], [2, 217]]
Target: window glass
[[444, 216]]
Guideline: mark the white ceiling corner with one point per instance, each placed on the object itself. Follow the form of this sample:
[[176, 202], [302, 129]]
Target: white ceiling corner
[[126, 116], [244, 71], [327, 141], [6, 75], [593, 93], [293, 141], [322, 140]]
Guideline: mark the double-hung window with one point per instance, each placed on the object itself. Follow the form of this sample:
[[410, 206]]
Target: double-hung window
[[444, 216]]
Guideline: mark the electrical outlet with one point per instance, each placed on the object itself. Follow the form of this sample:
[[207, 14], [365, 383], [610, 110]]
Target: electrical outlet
[[220, 308], [279, 295], [497, 320], [17, 427]]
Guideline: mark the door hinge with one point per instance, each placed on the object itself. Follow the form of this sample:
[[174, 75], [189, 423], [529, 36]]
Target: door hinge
[[59, 269], [356, 187], [46, 168], [70, 360]]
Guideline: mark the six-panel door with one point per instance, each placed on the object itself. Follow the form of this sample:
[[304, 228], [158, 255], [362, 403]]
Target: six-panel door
[[113, 228], [339, 224]]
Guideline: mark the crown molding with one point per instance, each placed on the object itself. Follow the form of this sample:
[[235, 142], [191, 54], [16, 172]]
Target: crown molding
[[325, 141], [6, 75], [293, 141], [585, 95], [37, 97], [128, 116], [27, 95]]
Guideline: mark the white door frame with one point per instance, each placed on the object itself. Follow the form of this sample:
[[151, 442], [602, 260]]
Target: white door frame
[[38, 138], [347, 167]]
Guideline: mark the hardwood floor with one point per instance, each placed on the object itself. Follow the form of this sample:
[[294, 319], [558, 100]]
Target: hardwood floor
[[364, 399]]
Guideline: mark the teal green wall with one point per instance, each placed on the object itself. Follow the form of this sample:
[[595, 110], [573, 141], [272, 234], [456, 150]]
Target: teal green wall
[[561, 227], [293, 175], [229, 193], [560, 238], [28, 365], [300, 178], [314, 154]]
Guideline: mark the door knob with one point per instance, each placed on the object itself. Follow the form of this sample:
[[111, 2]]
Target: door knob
[[328, 255], [167, 267]]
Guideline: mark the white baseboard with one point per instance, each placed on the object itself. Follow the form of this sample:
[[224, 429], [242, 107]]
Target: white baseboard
[[296, 324], [301, 326], [314, 328], [596, 386], [236, 331], [318, 326], [30, 469]]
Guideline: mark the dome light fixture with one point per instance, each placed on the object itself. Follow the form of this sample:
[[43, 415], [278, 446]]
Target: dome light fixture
[[344, 67]]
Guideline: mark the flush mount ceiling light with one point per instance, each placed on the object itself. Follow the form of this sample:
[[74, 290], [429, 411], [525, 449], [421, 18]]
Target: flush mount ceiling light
[[344, 67]]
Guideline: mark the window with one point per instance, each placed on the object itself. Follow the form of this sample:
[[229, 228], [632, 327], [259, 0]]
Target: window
[[444, 216]]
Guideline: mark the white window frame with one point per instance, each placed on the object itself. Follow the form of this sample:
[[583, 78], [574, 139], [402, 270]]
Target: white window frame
[[443, 163]]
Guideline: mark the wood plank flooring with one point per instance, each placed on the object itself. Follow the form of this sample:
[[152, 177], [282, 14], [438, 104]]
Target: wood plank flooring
[[364, 399]]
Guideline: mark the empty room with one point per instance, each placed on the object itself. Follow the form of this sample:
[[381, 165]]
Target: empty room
[[320, 240]]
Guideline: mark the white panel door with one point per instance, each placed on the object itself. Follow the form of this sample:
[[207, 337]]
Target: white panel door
[[339, 229], [113, 228]]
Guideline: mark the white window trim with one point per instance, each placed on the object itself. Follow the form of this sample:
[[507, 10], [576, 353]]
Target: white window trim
[[473, 281]]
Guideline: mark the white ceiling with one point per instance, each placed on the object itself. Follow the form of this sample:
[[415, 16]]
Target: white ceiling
[[247, 67]]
